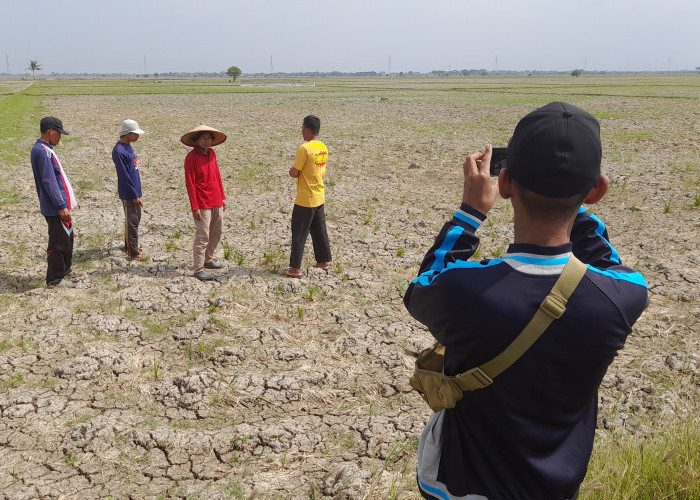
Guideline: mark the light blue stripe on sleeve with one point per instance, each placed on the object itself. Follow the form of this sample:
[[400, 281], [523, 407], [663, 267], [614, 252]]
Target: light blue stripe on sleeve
[[447, 244], [614, 256], [433, 491], [469, 219], [635, 278], [429, 276]]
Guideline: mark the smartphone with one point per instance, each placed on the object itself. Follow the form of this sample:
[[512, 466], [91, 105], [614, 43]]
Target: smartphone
[[498, 160]]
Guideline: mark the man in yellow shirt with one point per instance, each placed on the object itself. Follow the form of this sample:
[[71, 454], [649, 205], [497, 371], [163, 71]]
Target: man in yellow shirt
[[308, 216]]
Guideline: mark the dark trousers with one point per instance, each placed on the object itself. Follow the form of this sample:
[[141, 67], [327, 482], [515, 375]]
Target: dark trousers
[[59, 254], [307, 220], [132, 219]]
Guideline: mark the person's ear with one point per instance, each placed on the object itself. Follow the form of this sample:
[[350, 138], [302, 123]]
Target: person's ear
[[598, 191], [505, 186]]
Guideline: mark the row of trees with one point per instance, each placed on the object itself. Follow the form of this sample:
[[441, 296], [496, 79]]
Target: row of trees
[[234, 71]]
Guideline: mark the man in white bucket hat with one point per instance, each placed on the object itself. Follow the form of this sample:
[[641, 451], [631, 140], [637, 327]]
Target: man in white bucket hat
[[129, 185]]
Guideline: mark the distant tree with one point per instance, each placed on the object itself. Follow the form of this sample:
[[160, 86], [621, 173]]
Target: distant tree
[[234, 72], [33, 66], [577, 72]]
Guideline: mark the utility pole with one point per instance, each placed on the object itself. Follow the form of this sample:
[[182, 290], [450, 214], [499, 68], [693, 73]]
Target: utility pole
[[389, 72], [7, 61], [271, 69]]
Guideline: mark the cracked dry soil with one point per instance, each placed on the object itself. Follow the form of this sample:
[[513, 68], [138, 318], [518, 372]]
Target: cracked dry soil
[[143, 382]]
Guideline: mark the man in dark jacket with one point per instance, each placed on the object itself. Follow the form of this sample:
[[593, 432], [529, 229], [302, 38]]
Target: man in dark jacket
[[56, 200], [529, 434]]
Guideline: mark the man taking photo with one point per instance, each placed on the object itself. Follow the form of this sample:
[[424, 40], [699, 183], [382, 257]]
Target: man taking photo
[[529, 434]]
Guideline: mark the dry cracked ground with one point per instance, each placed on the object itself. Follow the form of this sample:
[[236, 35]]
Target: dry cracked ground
[[143, 382]]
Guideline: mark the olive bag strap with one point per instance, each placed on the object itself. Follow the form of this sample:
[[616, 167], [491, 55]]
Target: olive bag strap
[[551, 308], [442, 391]]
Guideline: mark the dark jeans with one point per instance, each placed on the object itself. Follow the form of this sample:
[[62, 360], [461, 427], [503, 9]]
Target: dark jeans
[[307, 220], [132, 219], [59, 254]]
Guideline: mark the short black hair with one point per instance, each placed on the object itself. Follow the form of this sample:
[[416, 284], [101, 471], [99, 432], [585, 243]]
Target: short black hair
[[201, 133], [546, 208], [313, 123]]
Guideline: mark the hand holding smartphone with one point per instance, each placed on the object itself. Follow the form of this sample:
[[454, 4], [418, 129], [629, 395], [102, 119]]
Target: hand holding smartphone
[[498, 160]]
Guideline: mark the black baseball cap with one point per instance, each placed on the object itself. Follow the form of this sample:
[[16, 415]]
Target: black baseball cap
[[555, 151], [49, 123]]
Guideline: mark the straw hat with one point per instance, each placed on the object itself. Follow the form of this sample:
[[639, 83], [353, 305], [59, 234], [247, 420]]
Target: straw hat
[[188, 138]]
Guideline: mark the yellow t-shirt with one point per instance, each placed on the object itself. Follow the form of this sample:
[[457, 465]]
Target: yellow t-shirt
[[311, 163]]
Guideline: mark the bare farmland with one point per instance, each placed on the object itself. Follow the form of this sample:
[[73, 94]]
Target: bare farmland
[[146, 383]]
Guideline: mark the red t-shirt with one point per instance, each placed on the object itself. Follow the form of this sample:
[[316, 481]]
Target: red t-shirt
[[203, 180]]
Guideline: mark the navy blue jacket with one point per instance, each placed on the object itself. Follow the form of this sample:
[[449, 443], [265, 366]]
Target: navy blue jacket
[[126, 163], [529, 435], [51, 186]]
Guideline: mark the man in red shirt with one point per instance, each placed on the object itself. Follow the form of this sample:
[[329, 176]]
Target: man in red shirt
[[206, 192]]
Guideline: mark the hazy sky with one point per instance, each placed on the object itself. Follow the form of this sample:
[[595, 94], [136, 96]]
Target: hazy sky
[[95, 36]]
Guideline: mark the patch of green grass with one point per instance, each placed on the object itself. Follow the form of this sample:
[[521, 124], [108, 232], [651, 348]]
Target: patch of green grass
[[274, 259], [343, 439], [314, 291], [9, 196], [71, 459], [234, 490], [602, 115], [14, 380], [156, 369], [629, 136], [83, 186], [19, 127], [665, 464], [6, 300], [203, 349], [151, 86], [238, 257], [157, 329], [254, 174], [93, 241], [79, 420], [227, 250]]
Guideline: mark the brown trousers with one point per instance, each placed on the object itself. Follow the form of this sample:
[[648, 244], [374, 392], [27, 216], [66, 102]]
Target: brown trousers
[[132, 219], [207, 236]]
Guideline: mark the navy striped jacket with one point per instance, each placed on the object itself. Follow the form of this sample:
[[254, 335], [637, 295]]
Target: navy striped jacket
[[530, 434]]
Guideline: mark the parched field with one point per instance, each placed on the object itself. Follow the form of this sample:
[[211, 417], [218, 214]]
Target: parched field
[[146, 383]]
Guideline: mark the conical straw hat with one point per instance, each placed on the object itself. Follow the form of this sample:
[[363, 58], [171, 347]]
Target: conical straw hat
[[188, 138]]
